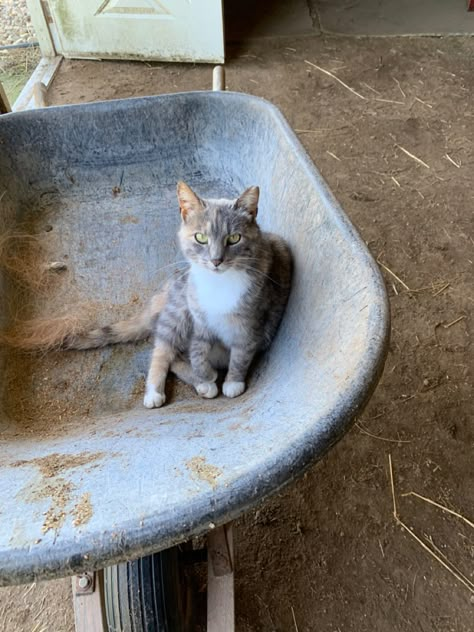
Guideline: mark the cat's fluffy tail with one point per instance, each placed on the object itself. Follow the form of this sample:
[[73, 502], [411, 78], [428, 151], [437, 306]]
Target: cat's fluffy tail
[[70, 331]]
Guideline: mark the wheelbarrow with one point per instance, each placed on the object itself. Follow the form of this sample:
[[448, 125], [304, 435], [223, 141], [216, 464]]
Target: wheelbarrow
[[91, 480]]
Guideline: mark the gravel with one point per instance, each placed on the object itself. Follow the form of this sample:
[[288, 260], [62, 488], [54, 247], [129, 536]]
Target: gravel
[[15, 23]]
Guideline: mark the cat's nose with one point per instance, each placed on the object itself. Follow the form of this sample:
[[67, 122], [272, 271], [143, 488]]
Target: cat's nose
[[217, 262]]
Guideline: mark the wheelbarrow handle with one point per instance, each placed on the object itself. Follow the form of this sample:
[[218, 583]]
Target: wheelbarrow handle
[[218, 78]]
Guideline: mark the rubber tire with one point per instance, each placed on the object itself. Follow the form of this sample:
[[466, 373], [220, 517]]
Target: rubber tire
[[145, 595]]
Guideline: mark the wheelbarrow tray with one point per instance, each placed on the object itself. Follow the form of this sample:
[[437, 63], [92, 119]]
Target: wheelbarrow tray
[[88, 477]]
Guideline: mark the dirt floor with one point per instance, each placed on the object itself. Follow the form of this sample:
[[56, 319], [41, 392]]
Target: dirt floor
[[394, 142]]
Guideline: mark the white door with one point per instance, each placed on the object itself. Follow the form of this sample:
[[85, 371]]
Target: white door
[[168, 30]]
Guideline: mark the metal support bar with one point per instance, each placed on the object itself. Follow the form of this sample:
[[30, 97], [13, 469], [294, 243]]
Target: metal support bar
[[87, 591], [220, 580]]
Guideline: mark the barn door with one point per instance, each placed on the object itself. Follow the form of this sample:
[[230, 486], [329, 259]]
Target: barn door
[[168, 30]]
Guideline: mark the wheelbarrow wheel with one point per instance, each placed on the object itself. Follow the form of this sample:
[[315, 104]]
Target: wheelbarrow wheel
[[146, 595]]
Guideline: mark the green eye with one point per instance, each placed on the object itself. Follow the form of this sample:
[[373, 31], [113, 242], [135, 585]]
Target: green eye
[[200, 238], [234, 238]]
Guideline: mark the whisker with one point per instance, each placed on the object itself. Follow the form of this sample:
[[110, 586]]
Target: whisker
[[263, 274], [175, 263], [170, 280]]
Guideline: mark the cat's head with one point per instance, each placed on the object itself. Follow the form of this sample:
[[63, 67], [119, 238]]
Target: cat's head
[[219, 235]]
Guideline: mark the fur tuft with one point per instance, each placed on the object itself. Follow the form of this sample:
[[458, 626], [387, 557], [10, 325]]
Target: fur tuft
[[22, 256], [44, 334]]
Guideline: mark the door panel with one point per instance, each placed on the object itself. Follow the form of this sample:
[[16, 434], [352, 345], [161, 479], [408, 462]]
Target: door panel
[[169, 30]]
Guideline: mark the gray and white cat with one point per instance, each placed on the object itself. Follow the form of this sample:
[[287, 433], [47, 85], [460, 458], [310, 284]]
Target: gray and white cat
[[221, 311]]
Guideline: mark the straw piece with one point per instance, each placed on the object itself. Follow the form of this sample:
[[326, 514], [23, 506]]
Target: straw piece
[[444, 287], [442, 507], [392, 485], [424, 103], [448, 565], [402, 283], [408, 153], [333, 155], [396, 181], [448, 157], [330, 74], [389, 101], [370, 87], [294, 619], [399, 87], [457, 574], [454, 322], [364, 431]]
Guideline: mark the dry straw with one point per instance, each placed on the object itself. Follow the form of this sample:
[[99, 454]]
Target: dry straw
[[446, 563]]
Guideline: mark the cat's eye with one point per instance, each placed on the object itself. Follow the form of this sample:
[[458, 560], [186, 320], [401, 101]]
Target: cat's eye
[[200, 238], [234, 238]]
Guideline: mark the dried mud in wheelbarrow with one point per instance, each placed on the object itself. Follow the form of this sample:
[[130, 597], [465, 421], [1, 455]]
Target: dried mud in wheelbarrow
[[88, 476]]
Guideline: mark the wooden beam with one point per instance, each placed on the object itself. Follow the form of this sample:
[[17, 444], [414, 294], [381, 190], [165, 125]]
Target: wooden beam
[[89, 613], [44, 73], [40, 23], [220, 580], [4, 102]]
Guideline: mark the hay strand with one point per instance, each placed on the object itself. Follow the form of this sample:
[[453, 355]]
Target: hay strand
[[374, 436], [454, 322], [333, 155], [22, 256], [442, 507], [448, 565], [294, 619], [448, 157], [333, 76], [413, 157], [392, 485], [399, 87], [387, 269]]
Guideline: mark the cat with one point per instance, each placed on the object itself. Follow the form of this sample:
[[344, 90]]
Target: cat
[[221, 311]]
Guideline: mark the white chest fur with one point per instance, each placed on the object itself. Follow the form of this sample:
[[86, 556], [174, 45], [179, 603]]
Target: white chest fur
[[219, 296]]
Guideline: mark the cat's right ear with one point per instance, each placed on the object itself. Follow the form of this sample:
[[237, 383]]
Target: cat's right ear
[[189, 202], [248, 201]]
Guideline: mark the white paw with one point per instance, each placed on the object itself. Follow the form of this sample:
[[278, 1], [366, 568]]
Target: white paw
[[233, 389], [154, 399], [207, 390]]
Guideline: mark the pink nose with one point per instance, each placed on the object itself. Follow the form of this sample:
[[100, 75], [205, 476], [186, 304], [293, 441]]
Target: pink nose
[[216, 262]]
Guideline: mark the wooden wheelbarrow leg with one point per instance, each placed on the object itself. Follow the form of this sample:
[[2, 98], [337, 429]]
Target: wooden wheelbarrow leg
[[220, 580], [87, 592]]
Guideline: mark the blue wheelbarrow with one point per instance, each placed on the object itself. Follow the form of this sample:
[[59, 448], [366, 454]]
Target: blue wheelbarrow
[[91, 480]]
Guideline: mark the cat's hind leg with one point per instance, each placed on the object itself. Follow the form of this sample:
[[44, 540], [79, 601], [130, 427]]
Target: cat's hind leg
[[219, 356], [162, 357]]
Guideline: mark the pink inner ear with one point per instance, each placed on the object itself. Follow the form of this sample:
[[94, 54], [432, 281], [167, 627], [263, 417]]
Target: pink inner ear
[[249, 200], [188, 200]]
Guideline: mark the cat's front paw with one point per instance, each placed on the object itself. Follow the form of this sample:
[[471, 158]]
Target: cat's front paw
[[153, 399], [208, 390], [209, 376], [233, 389]]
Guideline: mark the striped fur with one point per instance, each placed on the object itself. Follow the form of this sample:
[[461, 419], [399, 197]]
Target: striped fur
[[132, 330]]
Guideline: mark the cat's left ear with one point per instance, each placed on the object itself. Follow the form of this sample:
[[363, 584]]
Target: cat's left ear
[[248, 201]]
